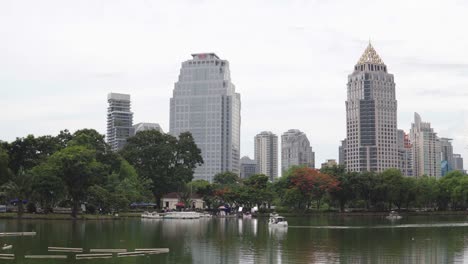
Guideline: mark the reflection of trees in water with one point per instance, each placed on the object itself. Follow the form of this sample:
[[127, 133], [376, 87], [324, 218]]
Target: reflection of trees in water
[[249, 240]]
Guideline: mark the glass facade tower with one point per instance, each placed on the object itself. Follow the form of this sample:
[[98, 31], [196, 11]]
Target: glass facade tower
[[205, 103]]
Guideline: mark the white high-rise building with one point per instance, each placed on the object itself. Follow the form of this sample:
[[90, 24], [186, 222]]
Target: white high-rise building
[[205, 103], [371, 116], [426, 149], [266, 154], [119, 120], [296, 150]]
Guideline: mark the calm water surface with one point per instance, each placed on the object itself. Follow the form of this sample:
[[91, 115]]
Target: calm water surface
[[324, 239]]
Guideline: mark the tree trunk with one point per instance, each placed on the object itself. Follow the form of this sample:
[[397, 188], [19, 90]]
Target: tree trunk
[[20, 208], [74, 212], [342, 205], [158, 201]]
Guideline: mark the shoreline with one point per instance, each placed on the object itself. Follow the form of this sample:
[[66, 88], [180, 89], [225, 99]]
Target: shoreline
[[88, 217]]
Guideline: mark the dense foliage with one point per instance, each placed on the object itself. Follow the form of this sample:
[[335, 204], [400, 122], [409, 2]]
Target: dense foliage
[[70, 170]]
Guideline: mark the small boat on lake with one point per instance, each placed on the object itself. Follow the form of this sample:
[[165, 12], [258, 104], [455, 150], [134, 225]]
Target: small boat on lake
[[393, 216], [277, 221], [152, 215]]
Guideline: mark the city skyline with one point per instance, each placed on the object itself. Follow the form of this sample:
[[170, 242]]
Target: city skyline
[[283, 56]]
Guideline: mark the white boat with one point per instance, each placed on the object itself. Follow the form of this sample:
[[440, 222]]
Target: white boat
[[393, 216], [5, 247], [182, 215], [277, 221], [152, 215]]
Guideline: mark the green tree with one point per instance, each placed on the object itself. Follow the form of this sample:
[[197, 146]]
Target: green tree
[[19, 189], [347, 185], [426, 192], [5, 172], [205, 189], [77, 167], [167, 161], [226, 178], [47, 188]]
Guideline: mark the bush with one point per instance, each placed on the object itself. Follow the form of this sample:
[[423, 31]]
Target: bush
[[31, 208], [90, 209]]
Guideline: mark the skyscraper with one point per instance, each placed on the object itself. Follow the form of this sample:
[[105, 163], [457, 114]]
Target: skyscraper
[[205, 103], [426, 149], [458, 163], [446, 155], [342, 153], [296, 150], [266, 154], [405, 153], [371, 115], [119, 120], [248, 167]]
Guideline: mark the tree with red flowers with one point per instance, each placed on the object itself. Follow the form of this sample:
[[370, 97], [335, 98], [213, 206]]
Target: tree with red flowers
[[306, 185]]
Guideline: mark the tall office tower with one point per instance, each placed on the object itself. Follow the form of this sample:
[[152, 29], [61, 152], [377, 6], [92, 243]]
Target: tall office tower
[[446, 156], [371, 115], [405, 153], [248, 167], [458, 163], [205, 103], [296, 150], [342, 153], [266, 154], [426, 149], [147, 126], [119, 120]]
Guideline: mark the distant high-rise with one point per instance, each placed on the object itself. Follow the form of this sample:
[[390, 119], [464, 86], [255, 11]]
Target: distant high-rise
[[371, 116], [458, 163], [329, 164], [342, 153], [147, 126], [248, 167], [446, 155], [266, 154], [119, 120], [205, 103], [405, 153], [426, 149], [296, 150]]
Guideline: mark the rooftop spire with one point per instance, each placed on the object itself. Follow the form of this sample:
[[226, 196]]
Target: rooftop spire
[[370, 56]]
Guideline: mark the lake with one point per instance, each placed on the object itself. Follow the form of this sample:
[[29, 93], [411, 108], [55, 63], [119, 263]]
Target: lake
[[317, 239]]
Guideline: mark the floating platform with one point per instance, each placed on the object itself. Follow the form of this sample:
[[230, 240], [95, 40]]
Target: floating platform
[[94, 256], [64, 249], [159, 250], [13, 234], [131, 254], [7, 256], [108, 250], [45, 256]]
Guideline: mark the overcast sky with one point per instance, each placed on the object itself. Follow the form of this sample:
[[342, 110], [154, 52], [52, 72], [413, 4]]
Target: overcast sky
[[289, 61]]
